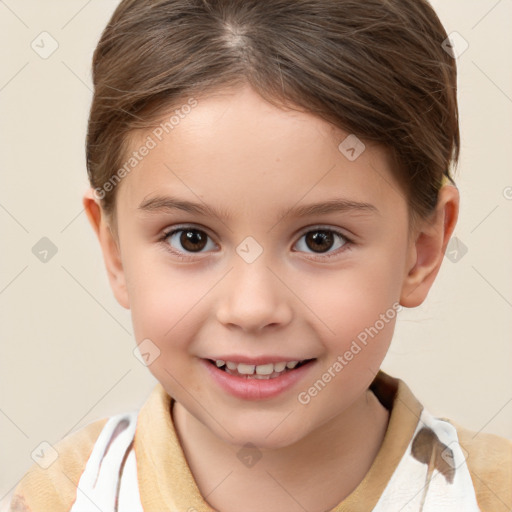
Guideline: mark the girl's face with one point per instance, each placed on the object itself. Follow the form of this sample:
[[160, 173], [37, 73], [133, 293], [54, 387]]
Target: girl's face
[[227, 255]]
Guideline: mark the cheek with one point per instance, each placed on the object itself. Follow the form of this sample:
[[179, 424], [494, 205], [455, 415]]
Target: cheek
[[356, 307], [350, 300], [160, 299], [162, 308]]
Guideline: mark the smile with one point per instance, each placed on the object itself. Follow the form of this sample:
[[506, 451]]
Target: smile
[[250, 381], [261, 371]]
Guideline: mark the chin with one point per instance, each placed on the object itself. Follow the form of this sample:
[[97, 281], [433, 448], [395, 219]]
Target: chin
[[263, 433]]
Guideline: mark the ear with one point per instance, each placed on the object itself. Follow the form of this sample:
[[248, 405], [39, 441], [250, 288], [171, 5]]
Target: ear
[[109, 246], [427, 249]]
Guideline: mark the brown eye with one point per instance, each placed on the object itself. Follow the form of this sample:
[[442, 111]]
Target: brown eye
[[187, 240], [319, 241], [192, 239]]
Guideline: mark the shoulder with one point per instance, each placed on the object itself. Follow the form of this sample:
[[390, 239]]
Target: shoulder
[[54, 487], [489, 460]]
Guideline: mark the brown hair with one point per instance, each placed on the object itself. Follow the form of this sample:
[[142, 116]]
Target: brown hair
[[375, 68]]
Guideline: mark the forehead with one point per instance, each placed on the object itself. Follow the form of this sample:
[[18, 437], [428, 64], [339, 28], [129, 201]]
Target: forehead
[[237, 151]]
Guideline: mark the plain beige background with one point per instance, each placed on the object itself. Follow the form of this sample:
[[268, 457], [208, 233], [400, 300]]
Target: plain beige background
[[67, 346]]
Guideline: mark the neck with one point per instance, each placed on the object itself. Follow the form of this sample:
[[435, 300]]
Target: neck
[[315, 473]]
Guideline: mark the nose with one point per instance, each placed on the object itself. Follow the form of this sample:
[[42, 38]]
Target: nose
[[254, 298]]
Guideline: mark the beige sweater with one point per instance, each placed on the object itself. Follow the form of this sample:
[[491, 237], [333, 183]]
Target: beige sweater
[[166, 482]]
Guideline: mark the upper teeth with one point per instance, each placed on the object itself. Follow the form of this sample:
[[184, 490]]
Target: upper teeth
[[260, 369]]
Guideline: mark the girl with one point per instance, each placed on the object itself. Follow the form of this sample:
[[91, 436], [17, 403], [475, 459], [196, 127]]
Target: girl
[[270, 186]]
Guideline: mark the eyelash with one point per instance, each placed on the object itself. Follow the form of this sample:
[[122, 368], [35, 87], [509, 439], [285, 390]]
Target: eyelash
[[183, 256]]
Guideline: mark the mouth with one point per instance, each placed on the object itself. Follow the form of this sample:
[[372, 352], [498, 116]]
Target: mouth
[[260, 371], [263, 378]]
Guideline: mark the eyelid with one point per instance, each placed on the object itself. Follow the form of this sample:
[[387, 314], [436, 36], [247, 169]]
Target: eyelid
[[324, 227], [178, 227]]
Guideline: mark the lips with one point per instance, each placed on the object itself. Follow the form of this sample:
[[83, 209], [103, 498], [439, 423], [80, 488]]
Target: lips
[[257, 379]]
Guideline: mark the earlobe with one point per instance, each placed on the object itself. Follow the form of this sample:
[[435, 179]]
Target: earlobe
[[427, 251], [109, 247]]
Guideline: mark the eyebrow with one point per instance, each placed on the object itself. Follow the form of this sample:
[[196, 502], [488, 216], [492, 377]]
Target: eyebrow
[[168, 204]]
